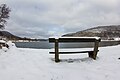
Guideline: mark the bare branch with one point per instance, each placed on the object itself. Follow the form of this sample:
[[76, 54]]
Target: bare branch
[[4, 14]]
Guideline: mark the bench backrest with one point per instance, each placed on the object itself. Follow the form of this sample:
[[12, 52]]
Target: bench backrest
[[75, 39]]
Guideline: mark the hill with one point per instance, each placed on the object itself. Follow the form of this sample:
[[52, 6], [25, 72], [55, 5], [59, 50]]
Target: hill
[[9, 36], [105, 32]]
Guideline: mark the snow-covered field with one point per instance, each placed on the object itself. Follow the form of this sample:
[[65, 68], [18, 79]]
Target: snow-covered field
[[38, 64]]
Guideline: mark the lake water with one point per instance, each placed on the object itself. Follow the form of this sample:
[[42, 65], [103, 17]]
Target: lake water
[[47, 45]]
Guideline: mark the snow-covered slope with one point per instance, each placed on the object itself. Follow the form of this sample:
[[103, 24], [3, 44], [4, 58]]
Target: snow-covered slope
[[100, 29], [105, 32], [37, 64]]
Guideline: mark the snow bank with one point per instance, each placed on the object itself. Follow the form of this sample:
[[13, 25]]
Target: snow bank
[[11, 46], [37, 64]]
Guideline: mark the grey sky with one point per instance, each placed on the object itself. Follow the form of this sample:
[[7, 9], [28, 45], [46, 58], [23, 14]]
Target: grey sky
[[45, 18]]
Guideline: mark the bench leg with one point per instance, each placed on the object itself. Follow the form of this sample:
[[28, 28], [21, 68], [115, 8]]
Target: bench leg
[[95, 49], [56, 51], [90, 54]]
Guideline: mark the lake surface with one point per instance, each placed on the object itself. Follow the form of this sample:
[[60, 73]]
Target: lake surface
[[47, 45]]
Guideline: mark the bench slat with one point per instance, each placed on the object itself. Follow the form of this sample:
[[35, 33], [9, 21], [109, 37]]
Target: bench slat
[[71, 52], [67, 40]]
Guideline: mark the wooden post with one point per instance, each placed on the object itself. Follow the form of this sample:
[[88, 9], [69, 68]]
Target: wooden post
[[56, 51], [95, 49], [90, 54]]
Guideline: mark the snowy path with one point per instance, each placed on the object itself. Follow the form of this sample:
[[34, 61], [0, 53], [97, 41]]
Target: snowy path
[[37, 64]]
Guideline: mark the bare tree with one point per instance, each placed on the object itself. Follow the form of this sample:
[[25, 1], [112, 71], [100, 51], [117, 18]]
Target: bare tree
[[4, 15]]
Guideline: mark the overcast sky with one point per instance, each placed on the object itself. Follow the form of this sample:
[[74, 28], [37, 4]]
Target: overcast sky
[[45, 18]]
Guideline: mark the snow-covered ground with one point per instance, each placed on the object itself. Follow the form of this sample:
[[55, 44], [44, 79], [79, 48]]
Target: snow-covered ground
[[38, 64]]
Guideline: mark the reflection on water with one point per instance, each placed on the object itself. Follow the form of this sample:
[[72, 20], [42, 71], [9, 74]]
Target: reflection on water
[[47, 45]]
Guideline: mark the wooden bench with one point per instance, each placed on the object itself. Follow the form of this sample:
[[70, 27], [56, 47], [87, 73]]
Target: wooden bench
[[91, 54]]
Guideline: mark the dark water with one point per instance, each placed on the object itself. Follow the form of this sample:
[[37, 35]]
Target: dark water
[[47, 45]]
